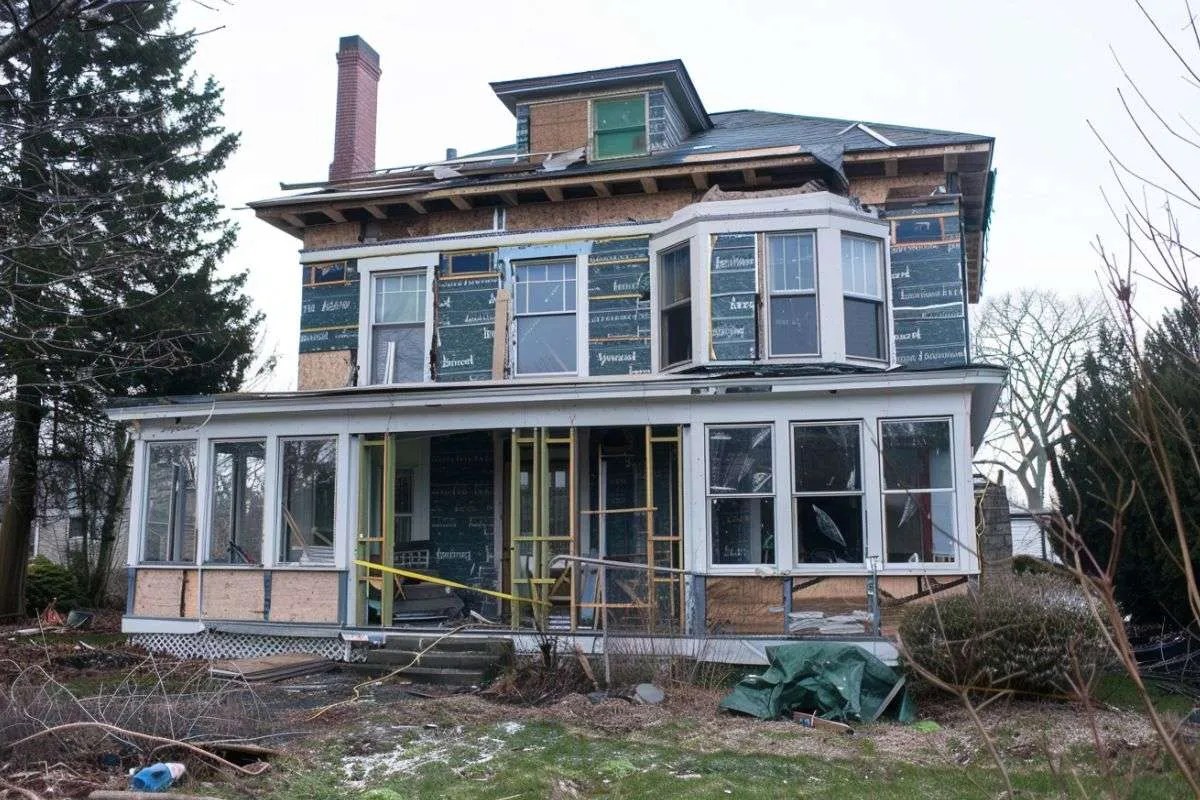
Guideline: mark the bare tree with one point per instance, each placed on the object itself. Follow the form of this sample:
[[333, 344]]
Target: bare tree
[[1042, 337]]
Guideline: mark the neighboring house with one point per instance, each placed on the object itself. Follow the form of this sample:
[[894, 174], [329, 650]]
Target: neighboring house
[[648, 368], [1029, 537]]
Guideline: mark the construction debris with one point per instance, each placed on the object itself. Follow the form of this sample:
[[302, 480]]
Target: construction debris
[[648, 694], [271, 668]]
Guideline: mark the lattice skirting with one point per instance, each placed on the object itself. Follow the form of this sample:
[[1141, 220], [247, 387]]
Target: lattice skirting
[[217, 645]]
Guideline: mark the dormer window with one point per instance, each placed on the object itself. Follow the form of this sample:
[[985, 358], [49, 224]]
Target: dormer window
[[619, 127]]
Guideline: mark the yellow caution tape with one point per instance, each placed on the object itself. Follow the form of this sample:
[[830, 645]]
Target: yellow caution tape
[[443, 582]]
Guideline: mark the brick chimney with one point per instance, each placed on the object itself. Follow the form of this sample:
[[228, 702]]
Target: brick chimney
[[357, 98]]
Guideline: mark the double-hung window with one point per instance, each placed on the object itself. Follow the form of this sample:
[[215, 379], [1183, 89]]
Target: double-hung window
[[398, 328], [169, 530], [544, 312], [791, 276], [741, 499], [675, 324], [238, 474], [862, 286], [827, 492], [619, 127], [307, 499], [918, 490]]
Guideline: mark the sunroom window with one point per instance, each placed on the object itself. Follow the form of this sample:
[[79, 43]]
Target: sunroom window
[[918, 490], [544, 312], [238, 473], [741, 498], [828, 492], [307, 497], [169, 532], [619, 127], [675, 324], [398, 328], [791, 275], [862, 285]]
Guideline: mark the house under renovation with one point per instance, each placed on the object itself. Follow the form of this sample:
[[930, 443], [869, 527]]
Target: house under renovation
[[649, 373]]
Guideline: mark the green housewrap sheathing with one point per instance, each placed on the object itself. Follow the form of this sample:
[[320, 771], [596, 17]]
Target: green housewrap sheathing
[[841, 682]]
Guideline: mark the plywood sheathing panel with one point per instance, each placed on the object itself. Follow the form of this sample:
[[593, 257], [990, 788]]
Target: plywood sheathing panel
[[165, 592], [558, 126], [599, 211], [331, 235], [744, 605], [233, 594], [326, 370], [304, 597], [874, 190]]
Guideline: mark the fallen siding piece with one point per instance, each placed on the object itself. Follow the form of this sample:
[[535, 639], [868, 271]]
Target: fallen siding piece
[[271, 668]]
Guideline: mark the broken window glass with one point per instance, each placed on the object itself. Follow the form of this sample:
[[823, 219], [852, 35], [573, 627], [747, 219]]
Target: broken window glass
[[169, 531], [308, 492], [827, 493], [918, 489], [238, 472]]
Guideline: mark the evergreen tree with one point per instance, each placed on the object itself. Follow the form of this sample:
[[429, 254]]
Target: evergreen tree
[[111, 237], [1109, 485]]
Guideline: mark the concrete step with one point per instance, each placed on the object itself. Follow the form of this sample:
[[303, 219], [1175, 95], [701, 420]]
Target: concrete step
[[469, 660], [450, 644], [431, 675]]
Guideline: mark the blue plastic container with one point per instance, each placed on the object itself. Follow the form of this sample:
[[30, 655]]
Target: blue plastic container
[[154, 778]]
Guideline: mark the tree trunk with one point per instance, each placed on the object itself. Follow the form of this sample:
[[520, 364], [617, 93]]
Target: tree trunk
[[114, 507], [19, 512]]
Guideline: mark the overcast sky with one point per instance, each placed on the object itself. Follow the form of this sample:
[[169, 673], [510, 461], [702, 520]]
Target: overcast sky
[[1029, 73]]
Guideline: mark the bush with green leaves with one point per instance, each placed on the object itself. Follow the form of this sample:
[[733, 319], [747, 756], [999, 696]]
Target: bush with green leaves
[[1031, 634], [46, 582]]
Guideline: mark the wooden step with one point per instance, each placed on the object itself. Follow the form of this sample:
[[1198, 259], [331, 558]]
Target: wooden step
[[449, 644], [447, 677], [469, 660]]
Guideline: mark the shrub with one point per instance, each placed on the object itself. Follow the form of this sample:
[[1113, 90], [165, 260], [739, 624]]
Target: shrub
[[47, 581], [1032, 634]]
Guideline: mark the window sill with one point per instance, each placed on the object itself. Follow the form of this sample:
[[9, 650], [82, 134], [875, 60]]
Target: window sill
[[167, 565], [298, 567]]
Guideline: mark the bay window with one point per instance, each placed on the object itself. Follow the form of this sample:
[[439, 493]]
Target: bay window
[[792, 283], [827, 492], [238, 473], [918, 490], [675, 323], [307, 498], [169, 530], [398, 328], [544, 315], [741, 497], [862, 287]]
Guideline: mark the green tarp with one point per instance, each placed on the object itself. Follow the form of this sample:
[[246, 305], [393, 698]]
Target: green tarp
[[841, 682]]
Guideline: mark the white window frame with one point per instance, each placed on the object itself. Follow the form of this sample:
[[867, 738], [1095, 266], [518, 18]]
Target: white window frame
[[740, 568], [367, 268], [952, 490], [280, 550], [212, 501], [686, 244], [771, 292], [197, 503], [579, 313], [881, 299], [854, 566], [377, 279]]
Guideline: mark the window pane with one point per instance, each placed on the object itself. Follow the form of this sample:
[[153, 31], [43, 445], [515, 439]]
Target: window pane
[[676, 275], [237, 523], [916, 455], [308, 492], [546, 344], [170, 527], [625, 112], [864, 328], [827, 458], [400, 298], [739, 460], [920, 526], [677, 334], [613, 144], [408, 355], [793, 325], [743, 530], [791, 262], [545, 288], [460, 263], [861, 266], [829, 530]]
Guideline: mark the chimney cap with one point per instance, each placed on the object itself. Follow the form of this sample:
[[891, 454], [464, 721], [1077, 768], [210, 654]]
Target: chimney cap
[[358, 44]]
